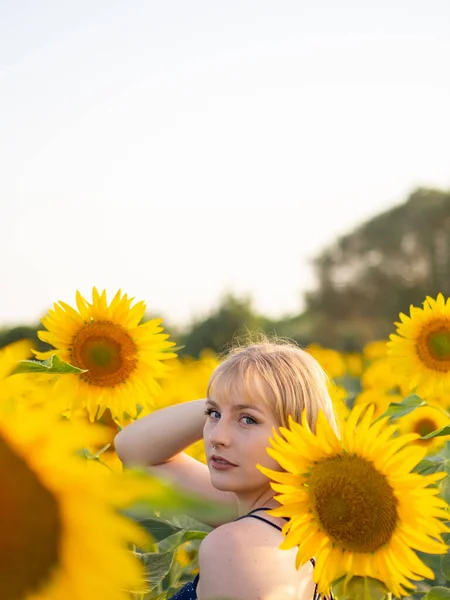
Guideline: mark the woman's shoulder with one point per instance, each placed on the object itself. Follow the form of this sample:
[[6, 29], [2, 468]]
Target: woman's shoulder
[[219, 539], [224, 562], [240, 557], [235, 535]]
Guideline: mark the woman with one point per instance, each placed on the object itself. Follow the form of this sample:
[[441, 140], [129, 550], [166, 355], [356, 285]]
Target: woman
[[251, 392]]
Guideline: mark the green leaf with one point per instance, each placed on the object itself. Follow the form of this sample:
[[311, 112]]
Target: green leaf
[[53, 365], [399, 409], [190, 535], [187, 523], [437, 593], [157, 565], [360, 588], [446, 536], [445, 565], [431, 464], [438, 433], [446, 450], [173, 349], [444, 489], [169, 500], [158, 528]]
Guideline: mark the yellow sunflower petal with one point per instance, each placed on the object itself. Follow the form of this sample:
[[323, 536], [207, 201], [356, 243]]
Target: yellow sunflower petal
[[355, 507], [122, 359], [56, 502]]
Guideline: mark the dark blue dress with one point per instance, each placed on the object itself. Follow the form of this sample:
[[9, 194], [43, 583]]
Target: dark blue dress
[[188, 591]]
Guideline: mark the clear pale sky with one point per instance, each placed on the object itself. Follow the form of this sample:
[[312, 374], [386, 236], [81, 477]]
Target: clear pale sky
[[181, 149]]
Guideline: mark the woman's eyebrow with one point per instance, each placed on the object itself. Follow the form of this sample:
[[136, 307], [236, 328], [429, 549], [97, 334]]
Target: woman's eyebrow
[[237, 407]]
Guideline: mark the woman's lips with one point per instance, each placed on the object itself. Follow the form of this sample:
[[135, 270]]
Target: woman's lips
[[221, 464]]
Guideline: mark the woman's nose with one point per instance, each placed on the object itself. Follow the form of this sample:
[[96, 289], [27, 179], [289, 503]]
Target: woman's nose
[[220, 434]]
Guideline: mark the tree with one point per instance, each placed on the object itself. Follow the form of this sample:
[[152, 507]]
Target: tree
[[233, 318], [367, 277], [21, 332]]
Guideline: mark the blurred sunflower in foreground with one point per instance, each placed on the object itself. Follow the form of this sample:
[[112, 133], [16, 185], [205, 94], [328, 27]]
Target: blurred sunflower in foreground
[[122, 357], [62, 536], [420, 349], [18, 392], [354, 504], [11, 354]]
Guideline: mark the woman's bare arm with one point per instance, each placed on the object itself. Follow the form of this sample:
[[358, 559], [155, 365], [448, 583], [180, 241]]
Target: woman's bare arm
[[157, 441], [157, 438]]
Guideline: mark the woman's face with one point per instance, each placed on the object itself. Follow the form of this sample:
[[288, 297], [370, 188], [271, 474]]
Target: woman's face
[[240, 431]]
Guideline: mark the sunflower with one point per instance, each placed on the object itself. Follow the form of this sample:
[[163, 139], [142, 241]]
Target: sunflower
[[331, 361], [338, 395], [20, 392], [353, 503], [381, 375], [380, 400], [122, 358], [421, 350], [423, 420], [62, 534], [12, 353], [354, 363], [375, 349]]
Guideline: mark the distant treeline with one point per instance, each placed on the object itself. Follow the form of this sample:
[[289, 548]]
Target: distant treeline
[[363, 281]]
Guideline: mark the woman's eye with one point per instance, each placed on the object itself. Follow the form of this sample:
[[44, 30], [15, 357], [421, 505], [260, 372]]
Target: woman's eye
[[214, 414], [210, 412], [251, 419]]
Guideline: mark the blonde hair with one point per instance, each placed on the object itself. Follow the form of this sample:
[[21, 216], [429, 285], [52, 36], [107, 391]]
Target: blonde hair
[[279, 373]]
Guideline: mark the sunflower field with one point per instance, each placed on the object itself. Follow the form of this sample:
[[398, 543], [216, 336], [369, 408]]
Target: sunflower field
[[371, 505]]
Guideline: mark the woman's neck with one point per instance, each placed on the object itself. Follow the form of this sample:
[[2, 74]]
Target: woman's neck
[[263, 500]]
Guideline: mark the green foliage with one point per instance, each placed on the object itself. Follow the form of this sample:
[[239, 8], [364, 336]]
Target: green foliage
[[406, 406], [437, 593], [53, 365], [367, 277], [438, 433], [444, 489], [158, 528], [163, 574], [360, 588], [445, 565], [22, 332], [363, 281], [431, 464], [170, 501], [157, 566], [233, 318]]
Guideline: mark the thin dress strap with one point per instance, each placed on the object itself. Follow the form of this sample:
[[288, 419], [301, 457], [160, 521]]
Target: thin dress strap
[[253, 516], [316, 595], [313, 562]]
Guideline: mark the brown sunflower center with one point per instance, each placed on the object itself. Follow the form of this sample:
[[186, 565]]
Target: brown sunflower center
[[30, 529], [353, 503], [106, 350], [433, 345], [425, 426]]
